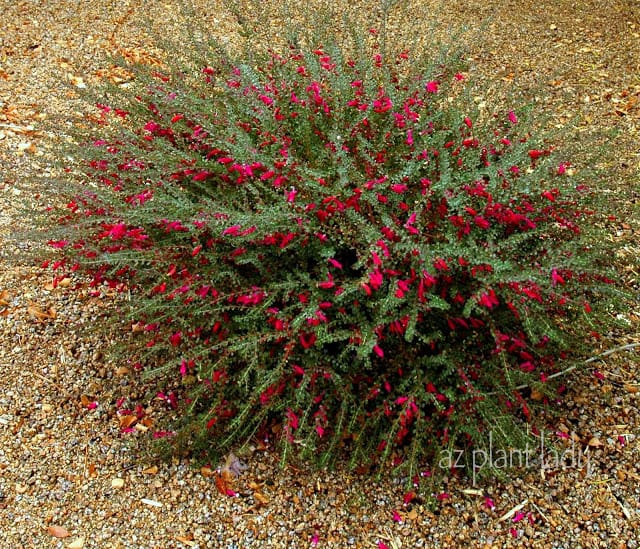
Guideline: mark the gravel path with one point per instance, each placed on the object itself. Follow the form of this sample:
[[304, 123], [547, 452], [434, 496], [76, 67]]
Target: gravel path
[[70, 479]]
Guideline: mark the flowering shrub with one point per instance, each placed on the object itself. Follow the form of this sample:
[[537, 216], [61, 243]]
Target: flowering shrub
[[335, 252]]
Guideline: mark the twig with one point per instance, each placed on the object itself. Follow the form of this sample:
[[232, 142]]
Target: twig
[[627, 347], [592, 359], [541, 513], [513, 511]]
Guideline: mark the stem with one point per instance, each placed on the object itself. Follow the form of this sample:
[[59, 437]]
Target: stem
[[627, 347]]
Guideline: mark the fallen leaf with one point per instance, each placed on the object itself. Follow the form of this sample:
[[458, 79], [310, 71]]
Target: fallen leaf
[[632, 388], [536, 395], [39, 314], [76, 544], [261, 498], [150, 470], [58, 532], [127, 421], [4, 298], [412, 515], [595, 442], [117, 483], [206, 472], [186, 540], [138, 327], [221, 484]]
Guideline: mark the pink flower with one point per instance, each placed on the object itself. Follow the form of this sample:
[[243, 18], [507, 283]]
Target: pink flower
[[409, 497], [375, 279], [397, 517], [118, 231], [481, 222], [382, 545], [327, 284], [378, 350], [399, 188], [291, 195], [233, 230], [432, 87], [512, 117], [307, 340], [556, 278], [489, 503]]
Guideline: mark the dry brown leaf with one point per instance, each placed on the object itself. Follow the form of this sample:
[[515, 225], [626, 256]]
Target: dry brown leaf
[[536, 395], [595, 442], [138, 327], [151, 470], [412, 515], [91, 470], [4, 298], [127, 421], [122, 371], [58, 532], [39, 314], [187, 540], [222, 485], [260, 498], [632, 388], [206, 472]]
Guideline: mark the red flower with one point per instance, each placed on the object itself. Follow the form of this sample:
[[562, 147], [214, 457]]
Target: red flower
[[307, 340]]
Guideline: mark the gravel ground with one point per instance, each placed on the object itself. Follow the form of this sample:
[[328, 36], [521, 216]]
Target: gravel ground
[[69, 478]]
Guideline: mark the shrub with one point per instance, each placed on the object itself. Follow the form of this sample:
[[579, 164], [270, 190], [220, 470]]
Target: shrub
[[332, 249]]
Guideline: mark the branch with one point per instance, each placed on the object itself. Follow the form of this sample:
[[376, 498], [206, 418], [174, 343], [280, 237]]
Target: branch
[[627, 347]]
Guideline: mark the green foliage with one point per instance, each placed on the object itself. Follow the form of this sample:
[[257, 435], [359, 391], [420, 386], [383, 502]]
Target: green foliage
[[334, 254]]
